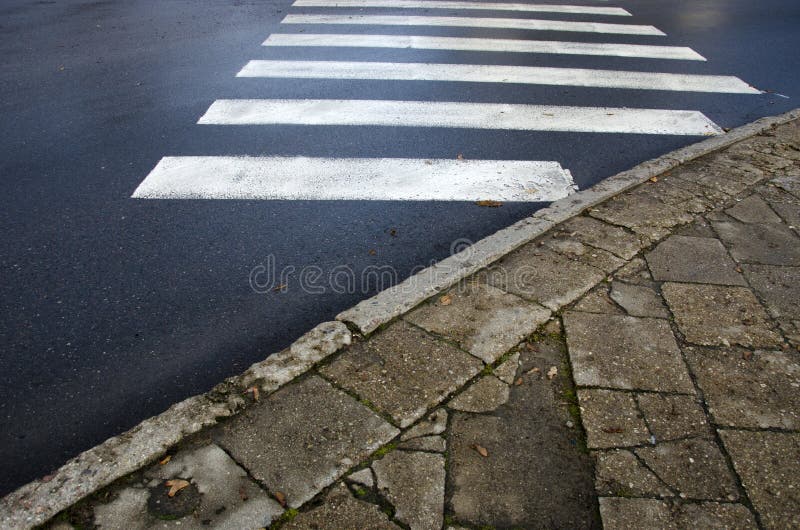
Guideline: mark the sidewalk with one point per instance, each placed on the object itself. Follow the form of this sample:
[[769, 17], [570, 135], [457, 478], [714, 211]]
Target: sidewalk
[[637, 366]]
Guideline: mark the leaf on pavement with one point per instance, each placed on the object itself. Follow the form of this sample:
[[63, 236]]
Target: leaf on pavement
[[489, 204], [254, 390], [552, 372], [164, 461], [446, 300], [281, 498], [481, 450], [175, 485], [460, 156]]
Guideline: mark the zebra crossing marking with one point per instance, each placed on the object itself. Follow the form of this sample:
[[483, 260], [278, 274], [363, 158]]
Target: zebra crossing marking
[[475, 22], [420, 42], [482, 73], [448, 4], [389, 179], [457, 115]]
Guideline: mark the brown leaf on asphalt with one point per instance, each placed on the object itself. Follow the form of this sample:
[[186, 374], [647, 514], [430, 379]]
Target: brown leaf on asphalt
[[552, 372], [653, 179], [533, 370], [518, 381], [613, 430], [254, 390], [281, 498], [393, 232], [281, 287], [372, 252], [481, 450], [175, 485], [446, 300], [489, 204], [164, 461]]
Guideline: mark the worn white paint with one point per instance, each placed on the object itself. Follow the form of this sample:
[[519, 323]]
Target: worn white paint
[[391, 179], [447, 4], [420, 42], [458, 115], [483, 73], [474, 22]]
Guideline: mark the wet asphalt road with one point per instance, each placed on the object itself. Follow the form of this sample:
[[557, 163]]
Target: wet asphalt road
[[111, 308]]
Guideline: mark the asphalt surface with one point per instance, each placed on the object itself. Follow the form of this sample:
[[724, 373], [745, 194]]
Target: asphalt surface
[[111, 308]]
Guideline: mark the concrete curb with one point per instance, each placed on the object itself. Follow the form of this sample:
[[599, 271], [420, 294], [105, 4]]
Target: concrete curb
[[37, 502], [368, 315]]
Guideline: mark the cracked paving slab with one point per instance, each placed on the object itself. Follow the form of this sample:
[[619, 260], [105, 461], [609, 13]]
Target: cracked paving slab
[[302, 438]]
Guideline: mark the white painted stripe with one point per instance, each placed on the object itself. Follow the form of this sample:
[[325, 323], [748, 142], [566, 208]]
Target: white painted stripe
[[457, 115], [389, 179], [470, 22], [483, 45], [446, 4], [482, 73]]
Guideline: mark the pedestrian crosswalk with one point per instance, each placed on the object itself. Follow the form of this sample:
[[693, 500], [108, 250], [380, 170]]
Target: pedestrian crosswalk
[[305, 177]]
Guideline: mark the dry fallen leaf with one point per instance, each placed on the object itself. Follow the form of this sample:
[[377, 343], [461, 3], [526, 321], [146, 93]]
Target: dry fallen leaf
[[552, 372], [281, 498], [533, 370], [518, 381], [747, 355], [489, 204], [164, 461], [393, 232], [481, 450], [372, 252], [446, 300], [281, 287], [175, 485], [254, 390], [653, 179]]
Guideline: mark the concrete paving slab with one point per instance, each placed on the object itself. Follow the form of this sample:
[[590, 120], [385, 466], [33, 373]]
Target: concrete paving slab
[[748, 389], [711, 315], [638, 300], [403, 371], [672, 416], [507, 372], [769, 466], [624, 514], [228, 496], [543, 275], [767, 244], [625, 352], [339, 509], [575, 250], [413, 482], [620, 473], [598, 300], [779, 287], [303, 438], [693, 260], [602, 235], [534, 472], [485, 395], [434, 444], [695, 467], [482, 319], [611, 419], [753, 209], [434, 423]]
